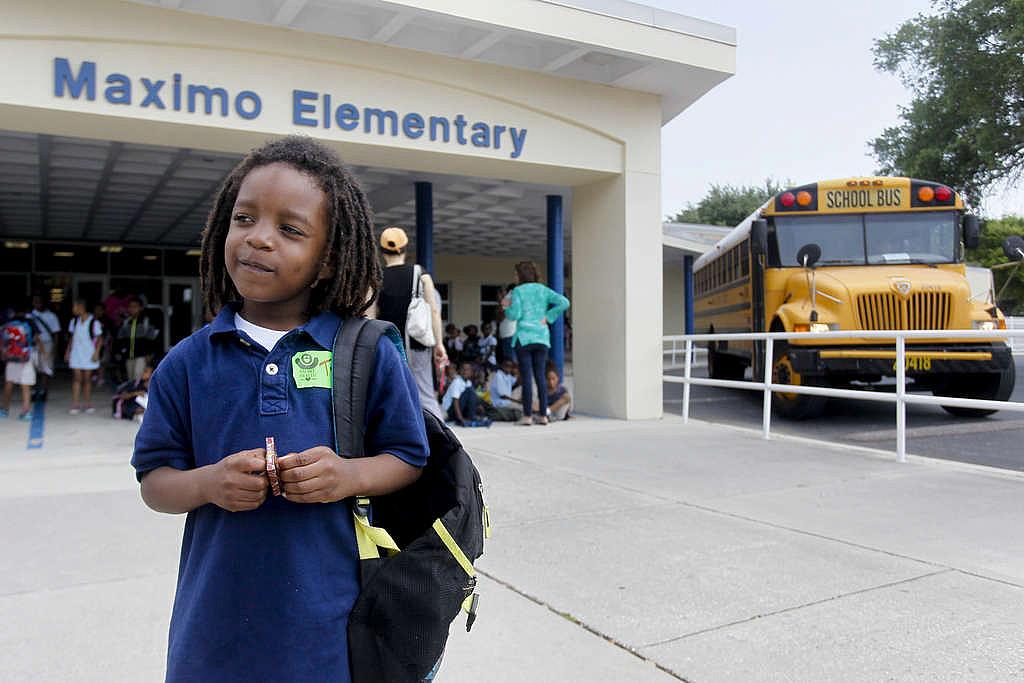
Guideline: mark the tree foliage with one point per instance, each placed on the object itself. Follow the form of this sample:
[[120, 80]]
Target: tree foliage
[[727, 204], [990, 253], [965, 124]]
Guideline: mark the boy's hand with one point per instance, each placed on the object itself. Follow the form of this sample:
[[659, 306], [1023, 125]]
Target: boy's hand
[[316, 475], [239, 481]]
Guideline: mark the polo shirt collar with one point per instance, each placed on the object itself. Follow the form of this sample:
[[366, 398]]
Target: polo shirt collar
[[322, 327]]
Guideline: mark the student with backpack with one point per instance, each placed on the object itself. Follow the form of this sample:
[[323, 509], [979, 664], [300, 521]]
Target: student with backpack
[[48, 326], [18, 349], [83, 355], [409, 301], [267, 584]]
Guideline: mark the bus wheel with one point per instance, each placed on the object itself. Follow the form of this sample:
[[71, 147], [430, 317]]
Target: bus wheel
[[791, 405], [724, 366], [989, 387]]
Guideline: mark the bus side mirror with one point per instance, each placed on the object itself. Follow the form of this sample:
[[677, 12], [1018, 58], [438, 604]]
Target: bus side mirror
[[1013, 247], [759, 237], [972, 233]]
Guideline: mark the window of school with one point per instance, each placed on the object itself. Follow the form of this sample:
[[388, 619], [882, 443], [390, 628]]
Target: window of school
[[489, 296]]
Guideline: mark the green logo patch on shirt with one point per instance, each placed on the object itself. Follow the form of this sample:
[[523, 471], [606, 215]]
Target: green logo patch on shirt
[[312, 369]]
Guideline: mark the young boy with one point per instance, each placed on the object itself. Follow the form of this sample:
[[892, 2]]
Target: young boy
[[461, 403], [266, 583], [18, 341], [559, 398], [503, 407]]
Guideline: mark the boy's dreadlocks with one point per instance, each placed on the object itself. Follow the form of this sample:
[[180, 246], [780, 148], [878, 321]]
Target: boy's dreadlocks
[[350, 244]]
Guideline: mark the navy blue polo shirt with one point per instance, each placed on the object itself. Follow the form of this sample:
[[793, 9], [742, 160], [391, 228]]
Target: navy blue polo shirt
[[265, 595]]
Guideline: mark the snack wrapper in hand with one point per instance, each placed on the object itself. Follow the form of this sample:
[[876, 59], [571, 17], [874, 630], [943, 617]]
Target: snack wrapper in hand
[[275, 483]]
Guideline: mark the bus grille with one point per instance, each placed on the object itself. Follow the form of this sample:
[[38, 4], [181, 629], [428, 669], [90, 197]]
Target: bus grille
[[920, 311]]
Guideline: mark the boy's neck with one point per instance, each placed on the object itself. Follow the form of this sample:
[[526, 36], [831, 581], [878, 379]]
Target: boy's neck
[[275, 316]]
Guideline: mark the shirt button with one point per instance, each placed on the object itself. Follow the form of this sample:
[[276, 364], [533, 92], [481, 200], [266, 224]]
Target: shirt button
[[271, 369]]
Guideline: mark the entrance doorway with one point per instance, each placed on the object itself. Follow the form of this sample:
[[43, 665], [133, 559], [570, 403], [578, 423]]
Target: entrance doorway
[[184, 308]]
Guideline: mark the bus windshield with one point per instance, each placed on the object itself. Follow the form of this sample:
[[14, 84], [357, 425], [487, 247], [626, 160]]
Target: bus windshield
[[872, 239]]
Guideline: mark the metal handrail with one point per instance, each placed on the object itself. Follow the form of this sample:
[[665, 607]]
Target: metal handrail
[[901, 398]]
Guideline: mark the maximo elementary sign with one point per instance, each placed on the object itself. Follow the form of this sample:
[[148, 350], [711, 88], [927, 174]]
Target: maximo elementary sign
[[309, 108]]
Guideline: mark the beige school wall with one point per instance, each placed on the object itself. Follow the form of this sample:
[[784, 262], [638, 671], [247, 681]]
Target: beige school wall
[[673, 298], [604, 142]]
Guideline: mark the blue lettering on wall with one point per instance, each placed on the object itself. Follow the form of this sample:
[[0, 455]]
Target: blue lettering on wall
[[63, 79], [309, 108]]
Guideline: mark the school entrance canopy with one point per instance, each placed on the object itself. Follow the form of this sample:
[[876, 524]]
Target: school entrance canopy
[[522, 112]]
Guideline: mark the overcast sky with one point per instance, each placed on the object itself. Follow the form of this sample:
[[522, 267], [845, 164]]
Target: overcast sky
[[803, 105]]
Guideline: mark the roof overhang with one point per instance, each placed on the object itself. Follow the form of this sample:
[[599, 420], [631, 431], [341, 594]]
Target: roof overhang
[[610, 42]]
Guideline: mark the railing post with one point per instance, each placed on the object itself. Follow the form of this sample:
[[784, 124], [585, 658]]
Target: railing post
[[686, 386], [901, 394], [766, 418]]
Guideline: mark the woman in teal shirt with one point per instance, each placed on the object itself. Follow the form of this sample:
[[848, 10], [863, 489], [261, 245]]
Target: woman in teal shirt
[[533, 306]]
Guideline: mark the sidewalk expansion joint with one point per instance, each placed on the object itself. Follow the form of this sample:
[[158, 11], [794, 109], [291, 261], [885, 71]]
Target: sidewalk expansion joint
[[587, 627], [794, 608]]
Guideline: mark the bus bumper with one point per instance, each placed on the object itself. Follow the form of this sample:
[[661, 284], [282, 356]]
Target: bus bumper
[[921, 360]]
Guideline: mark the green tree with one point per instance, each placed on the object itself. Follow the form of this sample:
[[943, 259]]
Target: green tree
[[990, 253], [727, 204], [965, 67]]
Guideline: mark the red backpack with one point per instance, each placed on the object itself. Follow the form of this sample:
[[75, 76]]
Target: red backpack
[[16, 342]]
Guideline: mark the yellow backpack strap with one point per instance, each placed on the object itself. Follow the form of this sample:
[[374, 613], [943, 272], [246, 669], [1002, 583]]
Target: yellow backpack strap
[[368, 537], [453, 547]]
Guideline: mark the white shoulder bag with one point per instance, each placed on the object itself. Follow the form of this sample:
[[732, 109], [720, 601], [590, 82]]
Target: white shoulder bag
[[419, 319]]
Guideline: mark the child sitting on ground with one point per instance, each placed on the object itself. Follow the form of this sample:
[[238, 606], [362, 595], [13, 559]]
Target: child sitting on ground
[[503, 407], [461, 403], [131, 397], [559, 398]]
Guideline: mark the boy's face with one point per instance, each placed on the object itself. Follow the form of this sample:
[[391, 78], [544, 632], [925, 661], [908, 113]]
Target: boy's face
[[134, 308], [509, 368], [552, 378], [487, 329], [466, 370], [471, 331], [37, 303], [277, 235], [146, 374], [77, 309]]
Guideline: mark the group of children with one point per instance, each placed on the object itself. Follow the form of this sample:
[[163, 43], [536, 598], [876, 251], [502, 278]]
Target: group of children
[[28, 343], [475, 394]]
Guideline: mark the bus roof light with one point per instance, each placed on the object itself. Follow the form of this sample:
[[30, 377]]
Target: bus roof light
[[803, 198], [925, 194], [787, 199], [943, 193]]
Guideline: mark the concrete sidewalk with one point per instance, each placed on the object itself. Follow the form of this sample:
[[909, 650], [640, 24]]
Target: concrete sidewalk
[[650, 551]]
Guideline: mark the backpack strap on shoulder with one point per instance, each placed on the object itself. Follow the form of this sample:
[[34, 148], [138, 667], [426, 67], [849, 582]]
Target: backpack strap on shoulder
[[354, 359]]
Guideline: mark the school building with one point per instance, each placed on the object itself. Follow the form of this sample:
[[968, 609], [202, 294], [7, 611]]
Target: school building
[[493, 131]]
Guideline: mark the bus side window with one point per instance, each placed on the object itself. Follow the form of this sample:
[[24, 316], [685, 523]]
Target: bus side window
[[745, 259]]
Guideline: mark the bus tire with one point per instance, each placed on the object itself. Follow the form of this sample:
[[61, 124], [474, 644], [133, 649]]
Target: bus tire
[[990, 387], [724, 366], [793, 406]]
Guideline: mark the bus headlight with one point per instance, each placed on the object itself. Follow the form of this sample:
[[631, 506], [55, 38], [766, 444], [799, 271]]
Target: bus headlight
[[823, 327], [987, 325]]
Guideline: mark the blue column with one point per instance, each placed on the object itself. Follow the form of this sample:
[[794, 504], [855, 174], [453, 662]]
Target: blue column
[[425, 226], [688, 295], [556, 277]]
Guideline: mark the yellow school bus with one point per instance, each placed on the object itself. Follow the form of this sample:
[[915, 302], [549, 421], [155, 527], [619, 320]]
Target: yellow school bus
[[853, 254]]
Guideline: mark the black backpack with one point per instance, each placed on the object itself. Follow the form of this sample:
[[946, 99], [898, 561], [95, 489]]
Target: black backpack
[[430, 532]]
